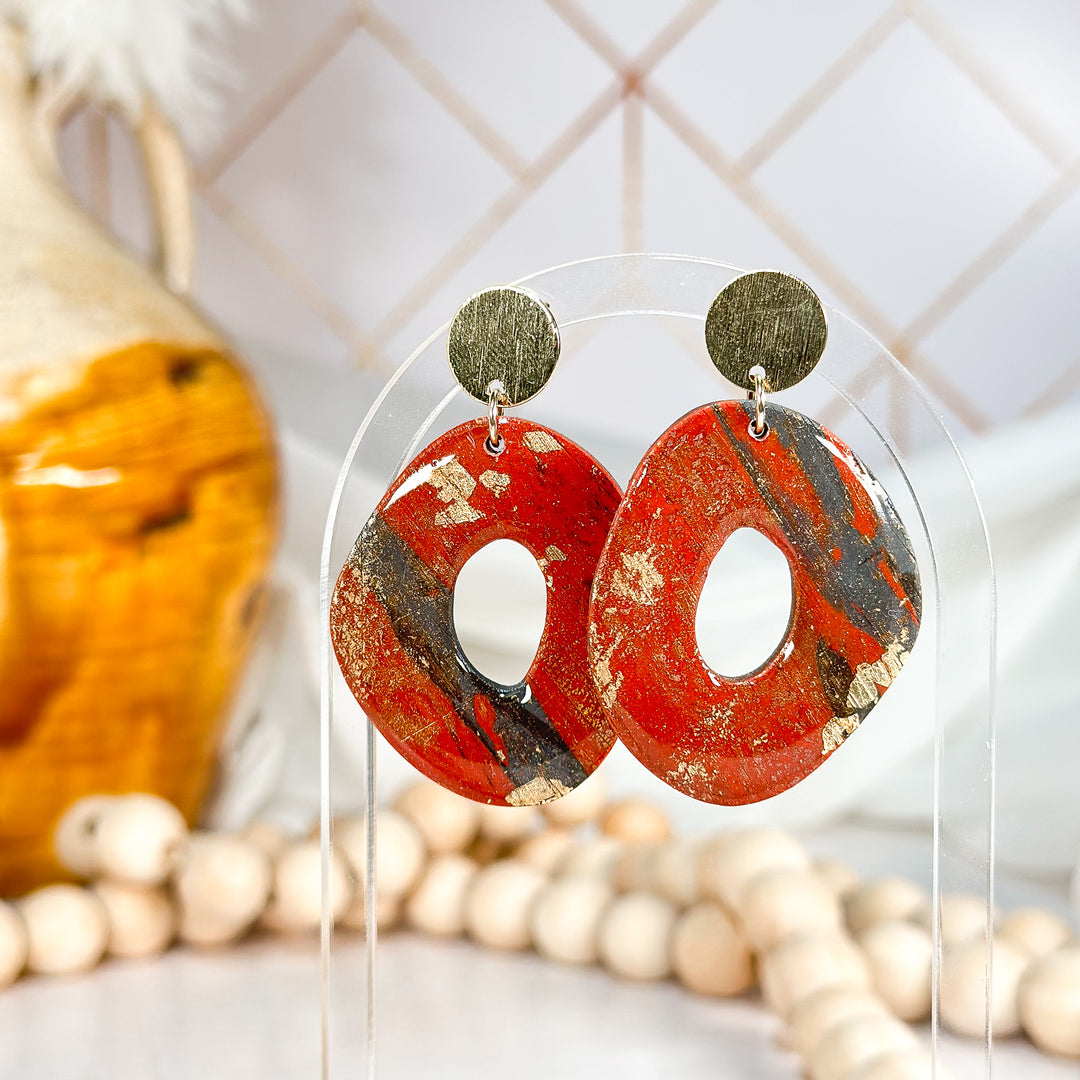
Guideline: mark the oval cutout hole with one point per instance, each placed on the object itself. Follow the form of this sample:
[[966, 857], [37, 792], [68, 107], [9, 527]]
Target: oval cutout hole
[[500, 607], [745, 606]]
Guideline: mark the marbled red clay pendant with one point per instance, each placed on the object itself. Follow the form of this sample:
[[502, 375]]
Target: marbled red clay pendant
[[392, 621], [855, 603]]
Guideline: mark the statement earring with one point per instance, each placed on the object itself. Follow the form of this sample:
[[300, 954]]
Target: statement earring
[[856, 599], [391, 616]]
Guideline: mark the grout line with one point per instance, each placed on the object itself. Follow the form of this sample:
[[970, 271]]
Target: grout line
[[633, 169], [977, 271], [786, 230], [1023, 118], [442, 90], [591, 33], [299, 283], [1060, 387], [823, 88], [495, 217], [274, 102], [672, 33], [740, 184]]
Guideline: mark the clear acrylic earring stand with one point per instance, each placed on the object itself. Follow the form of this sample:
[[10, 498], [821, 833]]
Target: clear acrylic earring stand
[[633, 361]]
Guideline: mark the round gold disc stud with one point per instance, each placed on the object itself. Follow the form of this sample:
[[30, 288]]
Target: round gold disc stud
[[767, 318], [507, 335]]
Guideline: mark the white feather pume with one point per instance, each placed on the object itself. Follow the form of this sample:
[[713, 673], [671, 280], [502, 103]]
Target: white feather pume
[[118, 51]]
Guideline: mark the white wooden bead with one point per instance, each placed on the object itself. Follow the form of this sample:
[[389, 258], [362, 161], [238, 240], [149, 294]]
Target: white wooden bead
[[546, 850], [840, 876], [508, 824], [1050, 1002], [890, 899], [781, 902], [711, 862], [808, 962], [633, 869], [67, 929], [388, 912], [222, 884], [447, 822], [910, 1064], [296, 899], [138, 839], [900, 956], [400, 853], [817, 1014], [1040, 932], [729, 865], [963, 917], [581, 806], [635, 821], [267, 836], [855, 1042], [593, 858], [498, 905], [565, 921], [963, 987], [142, 918], [14, 944], [75, 837], [437, 904], [675, 872], [708, 953], [635, 936]]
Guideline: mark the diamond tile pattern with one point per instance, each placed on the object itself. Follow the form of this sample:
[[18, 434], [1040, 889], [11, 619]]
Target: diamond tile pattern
[[917, 160]]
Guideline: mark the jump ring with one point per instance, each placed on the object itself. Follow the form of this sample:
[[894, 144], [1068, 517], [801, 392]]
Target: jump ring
[[495, 444], [758, 427]]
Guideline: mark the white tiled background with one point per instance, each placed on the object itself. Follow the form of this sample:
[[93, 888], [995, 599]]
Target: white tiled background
[[917, 160]]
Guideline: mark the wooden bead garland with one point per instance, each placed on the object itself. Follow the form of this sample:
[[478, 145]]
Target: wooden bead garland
[[222, 884], [498, 904], [1039, 932], [142, 918], [67, 929], [708, 911], [815, 1015], [635, 936], [446, 821], [783, 901], [963, 987], [900, 956], [855, 1042], [1049, 1002], [296, 899], [137, 839], [727, 867], [437, 904], [709, 955], [889, 899], [565, 918], [14, 944], [808, 962]]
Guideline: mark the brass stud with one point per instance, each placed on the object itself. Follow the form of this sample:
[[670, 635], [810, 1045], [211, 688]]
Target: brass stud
[[505, 335], [767, 318]]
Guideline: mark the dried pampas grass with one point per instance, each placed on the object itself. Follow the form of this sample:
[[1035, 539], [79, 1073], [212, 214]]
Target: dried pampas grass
[[119, 51]]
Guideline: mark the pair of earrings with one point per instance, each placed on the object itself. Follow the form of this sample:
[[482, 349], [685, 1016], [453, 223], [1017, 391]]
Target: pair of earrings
[[618, 656]]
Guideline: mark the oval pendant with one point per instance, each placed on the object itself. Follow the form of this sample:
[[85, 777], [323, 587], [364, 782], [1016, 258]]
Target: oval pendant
[[392, 620], [856, 603]]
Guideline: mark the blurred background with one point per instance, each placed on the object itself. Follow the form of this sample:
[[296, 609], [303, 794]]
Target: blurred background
[[369, 164]]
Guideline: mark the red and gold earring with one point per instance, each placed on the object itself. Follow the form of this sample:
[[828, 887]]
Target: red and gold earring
[[856, 599], [391, 616]]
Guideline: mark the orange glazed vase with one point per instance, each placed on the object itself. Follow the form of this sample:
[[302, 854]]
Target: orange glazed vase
[[138, 509]]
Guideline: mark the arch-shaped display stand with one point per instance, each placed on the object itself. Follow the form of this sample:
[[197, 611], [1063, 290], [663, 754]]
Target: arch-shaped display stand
[[633, 361]]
